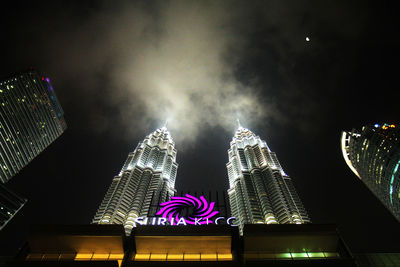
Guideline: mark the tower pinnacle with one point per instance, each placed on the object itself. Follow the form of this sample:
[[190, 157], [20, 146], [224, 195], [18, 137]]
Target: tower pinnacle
[[238, 122]]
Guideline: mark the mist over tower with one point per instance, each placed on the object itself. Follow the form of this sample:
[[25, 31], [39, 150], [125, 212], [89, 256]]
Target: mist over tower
[[146, 178], [259, 190]]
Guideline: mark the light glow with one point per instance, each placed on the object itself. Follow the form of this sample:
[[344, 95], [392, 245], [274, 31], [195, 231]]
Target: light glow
[[183, 256], [392, 181], [345, 139]]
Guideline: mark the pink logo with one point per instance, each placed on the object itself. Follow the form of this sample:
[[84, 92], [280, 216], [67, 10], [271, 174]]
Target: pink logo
[[202, 210]]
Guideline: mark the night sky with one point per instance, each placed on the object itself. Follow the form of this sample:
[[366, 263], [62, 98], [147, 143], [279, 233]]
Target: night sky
[[120, 70]]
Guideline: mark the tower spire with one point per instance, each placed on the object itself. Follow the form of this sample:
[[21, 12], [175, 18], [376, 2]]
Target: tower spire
[[166, 123], [238, 122]]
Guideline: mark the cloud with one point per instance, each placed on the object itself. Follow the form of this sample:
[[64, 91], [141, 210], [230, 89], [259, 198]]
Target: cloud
[[133, 65], [169, 61]]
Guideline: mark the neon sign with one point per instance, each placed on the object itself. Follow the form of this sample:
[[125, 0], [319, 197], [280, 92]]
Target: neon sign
[[202, 213]]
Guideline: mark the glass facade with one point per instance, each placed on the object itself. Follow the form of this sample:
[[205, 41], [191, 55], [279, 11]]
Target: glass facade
[[10, 204], [378, 259], [373, 154], [31, 118], [146, 179], [259, 190]]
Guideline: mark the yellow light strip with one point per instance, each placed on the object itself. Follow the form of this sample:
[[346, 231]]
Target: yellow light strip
[[183, 257], [83, 256], [174, 257], [191, 257], [98, 256], [224, 257]]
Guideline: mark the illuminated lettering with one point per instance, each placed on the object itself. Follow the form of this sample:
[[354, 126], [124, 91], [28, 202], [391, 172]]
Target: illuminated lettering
[[228, 221], [181, 221], [161, 221], [217, 219], [140, 220], [197, 221]]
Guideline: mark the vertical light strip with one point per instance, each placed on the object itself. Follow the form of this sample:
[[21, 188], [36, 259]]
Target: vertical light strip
[[392, 180]]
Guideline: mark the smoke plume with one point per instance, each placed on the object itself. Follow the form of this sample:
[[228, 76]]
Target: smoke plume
[[174, 61], [131, 66]]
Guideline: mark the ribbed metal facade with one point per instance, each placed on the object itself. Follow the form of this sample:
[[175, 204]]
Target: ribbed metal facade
[[31, 118], [10, 204], [147, 178], [373, 154], [259, 190]]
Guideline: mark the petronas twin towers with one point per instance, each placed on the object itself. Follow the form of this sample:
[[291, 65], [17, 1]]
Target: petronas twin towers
[[147, 178], [259, 190]]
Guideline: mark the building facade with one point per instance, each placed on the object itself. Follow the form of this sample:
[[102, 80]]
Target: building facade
[[201, 245], [373, 154], [146, 179], [260, 192], [10, 204], [31, 118]]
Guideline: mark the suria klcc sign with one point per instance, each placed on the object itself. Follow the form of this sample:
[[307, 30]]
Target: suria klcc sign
[[203, 213]]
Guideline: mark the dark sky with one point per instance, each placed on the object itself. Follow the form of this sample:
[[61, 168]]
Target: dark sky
[[120, 70]]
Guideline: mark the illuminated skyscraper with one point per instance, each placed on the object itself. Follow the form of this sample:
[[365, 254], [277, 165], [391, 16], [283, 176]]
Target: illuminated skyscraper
[[31, 118], [373, 154], [259, 190], [146, 179]]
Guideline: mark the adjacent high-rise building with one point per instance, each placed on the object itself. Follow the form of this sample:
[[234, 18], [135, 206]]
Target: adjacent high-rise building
[[373, 154], [10, 204], [31, 118], [259, 190], [146, 179]]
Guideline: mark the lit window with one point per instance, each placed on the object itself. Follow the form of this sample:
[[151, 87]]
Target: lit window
[[331, 254], [191, 256], [299, 255], [116, 256], [100, 256], [158, 257], [142, 257], [174, 257], [83, 256], [209, 256], [316, 254], [224, 257]]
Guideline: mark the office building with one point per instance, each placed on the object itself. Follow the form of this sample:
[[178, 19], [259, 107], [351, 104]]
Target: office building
[[146, 179], [380, 259], [10, 204], [260, 192], [31, 118], [373, 154]]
